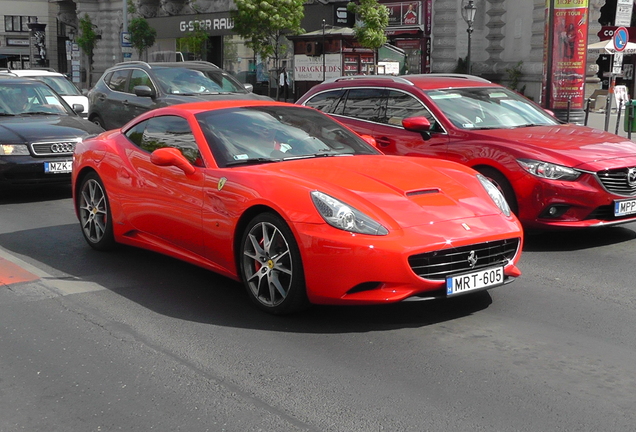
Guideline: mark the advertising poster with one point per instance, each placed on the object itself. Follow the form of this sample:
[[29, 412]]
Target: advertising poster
[[567, 56]]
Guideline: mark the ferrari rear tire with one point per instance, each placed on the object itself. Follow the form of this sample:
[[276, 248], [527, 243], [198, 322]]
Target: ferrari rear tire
[[94, 213], [502, 183], [271, 266]]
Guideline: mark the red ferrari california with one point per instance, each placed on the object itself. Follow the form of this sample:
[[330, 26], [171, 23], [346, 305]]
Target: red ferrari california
[[295, 205]]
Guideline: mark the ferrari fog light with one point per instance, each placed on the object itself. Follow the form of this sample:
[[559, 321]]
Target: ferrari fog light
[[13, 149], [344, 217]]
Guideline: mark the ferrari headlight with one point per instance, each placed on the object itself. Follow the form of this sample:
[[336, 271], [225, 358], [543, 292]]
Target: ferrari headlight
[[13, 149], [344, 217], [548, 170], [495, 194]]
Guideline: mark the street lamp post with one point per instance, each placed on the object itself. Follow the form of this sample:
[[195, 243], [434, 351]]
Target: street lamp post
[[322, 51], [468, 13]]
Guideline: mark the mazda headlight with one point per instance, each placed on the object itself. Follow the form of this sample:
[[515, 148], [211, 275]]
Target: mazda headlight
[[495, 194], [13, 149], [344, 217], [548, 170]]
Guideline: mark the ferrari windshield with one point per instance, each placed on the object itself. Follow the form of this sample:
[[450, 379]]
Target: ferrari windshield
[[488, 108], [275, 133], [178, 80]]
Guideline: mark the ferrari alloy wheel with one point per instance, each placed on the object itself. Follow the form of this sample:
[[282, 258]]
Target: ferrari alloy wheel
[[94, 213], [271, 267], [501, 182]]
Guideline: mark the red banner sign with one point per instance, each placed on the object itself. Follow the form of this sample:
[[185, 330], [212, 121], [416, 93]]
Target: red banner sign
[[568, 54]]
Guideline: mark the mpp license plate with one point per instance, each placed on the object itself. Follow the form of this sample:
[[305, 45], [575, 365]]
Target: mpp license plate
[[623, 208], [474, 281], [58, 167]]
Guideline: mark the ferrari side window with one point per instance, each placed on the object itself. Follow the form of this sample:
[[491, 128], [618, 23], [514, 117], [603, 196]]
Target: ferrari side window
[[136, 133], [171, 131]]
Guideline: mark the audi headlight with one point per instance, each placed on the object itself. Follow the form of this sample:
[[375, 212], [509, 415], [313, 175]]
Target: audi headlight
[[344, 217], [548, 170], [13, 149], [495, 194]]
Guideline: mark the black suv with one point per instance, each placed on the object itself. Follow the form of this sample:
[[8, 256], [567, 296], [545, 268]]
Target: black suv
[[131, 88]]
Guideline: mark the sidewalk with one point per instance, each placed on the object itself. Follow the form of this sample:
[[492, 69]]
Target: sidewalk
[[597, 119]]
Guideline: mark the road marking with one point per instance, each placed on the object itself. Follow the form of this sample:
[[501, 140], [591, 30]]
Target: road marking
[[15, 270]]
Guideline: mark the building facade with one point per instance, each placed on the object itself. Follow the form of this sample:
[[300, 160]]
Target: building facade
[[507, 34]]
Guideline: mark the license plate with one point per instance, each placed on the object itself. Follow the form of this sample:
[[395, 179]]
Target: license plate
[[625, 207], [58, 167], [474, 281]]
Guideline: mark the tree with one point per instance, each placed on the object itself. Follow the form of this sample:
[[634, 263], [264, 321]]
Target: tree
[[374, 18], [195, 41], [142, 36], [262, 23], [87, 40]]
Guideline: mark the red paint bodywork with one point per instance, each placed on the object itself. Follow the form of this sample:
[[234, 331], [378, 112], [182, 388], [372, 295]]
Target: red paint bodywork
[[570, 145], [196, 217]]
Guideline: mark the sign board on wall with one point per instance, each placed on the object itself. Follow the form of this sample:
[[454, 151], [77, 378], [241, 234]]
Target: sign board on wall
[[310, 68]]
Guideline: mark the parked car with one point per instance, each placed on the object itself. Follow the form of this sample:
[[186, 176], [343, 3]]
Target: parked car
[[38, 133], [553, 175], [295, 205], [132, 88], [58, 82]]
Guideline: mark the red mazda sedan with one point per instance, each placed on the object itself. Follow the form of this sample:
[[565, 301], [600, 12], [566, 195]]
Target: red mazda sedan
[[553, 175]]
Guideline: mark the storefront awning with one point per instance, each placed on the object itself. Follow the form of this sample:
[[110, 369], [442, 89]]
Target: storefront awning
[[396, 31], [12, 51]]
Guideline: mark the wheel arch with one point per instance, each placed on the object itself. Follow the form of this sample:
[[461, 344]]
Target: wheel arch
[[507, 188]]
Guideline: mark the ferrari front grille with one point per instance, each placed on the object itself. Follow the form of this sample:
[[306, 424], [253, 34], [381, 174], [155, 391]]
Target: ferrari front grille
[[441, 264]]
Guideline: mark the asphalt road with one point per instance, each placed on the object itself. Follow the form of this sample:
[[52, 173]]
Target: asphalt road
[[135, 341]]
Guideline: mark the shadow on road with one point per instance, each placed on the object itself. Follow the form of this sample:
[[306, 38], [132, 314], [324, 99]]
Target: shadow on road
[[183, 291], [554, 241], [34, 194]]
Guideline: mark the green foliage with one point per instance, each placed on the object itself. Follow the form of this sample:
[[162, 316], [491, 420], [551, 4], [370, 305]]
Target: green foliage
[[142, 36], [262, 23], [87, 37], [374, 19], [194, 41], [514, 76], [462, 65]]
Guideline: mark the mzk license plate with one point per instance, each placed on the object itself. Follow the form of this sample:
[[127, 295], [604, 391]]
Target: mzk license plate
[[58, 167], [478, 280]]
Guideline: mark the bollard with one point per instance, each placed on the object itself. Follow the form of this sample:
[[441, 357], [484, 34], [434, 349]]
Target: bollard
[[567, 118], [587, 109], [618, 115]]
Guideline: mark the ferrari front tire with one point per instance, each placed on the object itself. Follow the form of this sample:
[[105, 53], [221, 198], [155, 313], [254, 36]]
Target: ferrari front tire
[[271, 266], [94, 213]]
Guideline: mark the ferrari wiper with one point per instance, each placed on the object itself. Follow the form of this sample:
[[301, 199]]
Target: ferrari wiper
[[251, 161]]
